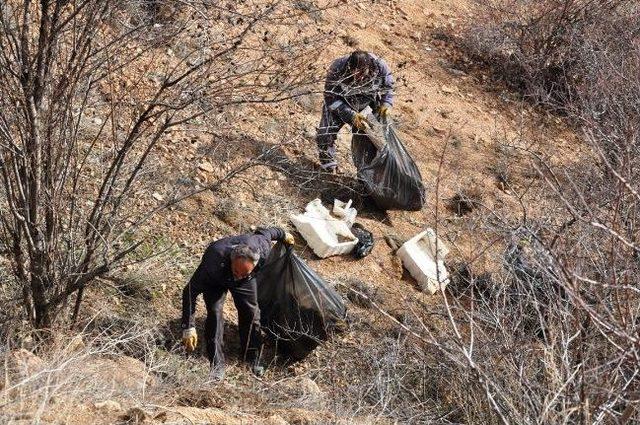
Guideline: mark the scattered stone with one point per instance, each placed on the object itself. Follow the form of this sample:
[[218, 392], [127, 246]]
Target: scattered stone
[[96, 121], [444, 113], [457, 72], [449, 89], [157, 196], [108, 406], [350, 40], [201, 398], [465, 201], [275, 420], [20, 364], [363, 294], [360, 25], [206, 166], [135, 415], [394, 241], [306, 391]]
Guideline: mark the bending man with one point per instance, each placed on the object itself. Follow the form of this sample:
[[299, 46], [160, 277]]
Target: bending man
[[229, 264], [353, 82]]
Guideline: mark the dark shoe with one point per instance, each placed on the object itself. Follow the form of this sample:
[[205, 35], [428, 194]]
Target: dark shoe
[[329, 170], [216, 374], [258, 370]]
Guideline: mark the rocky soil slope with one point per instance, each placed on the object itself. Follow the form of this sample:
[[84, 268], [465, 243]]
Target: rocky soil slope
[[468, 139]]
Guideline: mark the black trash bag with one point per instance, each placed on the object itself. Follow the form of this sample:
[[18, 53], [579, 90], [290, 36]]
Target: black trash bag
[[390, 175], [297, 307], [365, 241]]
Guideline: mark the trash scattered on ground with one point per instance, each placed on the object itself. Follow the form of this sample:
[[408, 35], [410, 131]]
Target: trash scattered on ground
[[344, 211], [324, 233], [423, 256], [394, 242], [297, 307], [390, 175], [365, 241]]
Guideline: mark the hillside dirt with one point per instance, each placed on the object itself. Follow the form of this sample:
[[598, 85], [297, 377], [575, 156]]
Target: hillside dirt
[[467, 137]]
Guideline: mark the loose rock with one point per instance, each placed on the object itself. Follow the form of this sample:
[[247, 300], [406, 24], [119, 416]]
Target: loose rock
[[206, 166], [108, 406]]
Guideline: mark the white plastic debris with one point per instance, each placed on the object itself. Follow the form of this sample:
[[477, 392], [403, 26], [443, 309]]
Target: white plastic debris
[[425, 262], [325, 234], [373, 128], [344, 211]]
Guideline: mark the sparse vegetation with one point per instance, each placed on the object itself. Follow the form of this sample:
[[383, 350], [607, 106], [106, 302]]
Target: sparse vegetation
[[465, 201], [81, 121], [540, 322]]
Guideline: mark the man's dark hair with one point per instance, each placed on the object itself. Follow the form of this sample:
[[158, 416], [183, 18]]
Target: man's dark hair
[[244, 251], [360, 59]]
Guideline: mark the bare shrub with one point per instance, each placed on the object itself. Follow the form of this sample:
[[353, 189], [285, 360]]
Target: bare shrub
[[88, 92], [465, 201], [81, 369], [558, 340], [538, 47]]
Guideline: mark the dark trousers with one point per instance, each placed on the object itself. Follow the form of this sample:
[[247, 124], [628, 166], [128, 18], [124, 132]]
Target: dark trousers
[[330, 125], [245, 297]]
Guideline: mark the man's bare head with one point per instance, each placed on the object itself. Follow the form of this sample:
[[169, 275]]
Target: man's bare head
[[243, 261], [361, 65]]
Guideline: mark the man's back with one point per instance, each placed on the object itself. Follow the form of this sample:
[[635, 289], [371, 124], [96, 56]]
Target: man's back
[[216, 257]]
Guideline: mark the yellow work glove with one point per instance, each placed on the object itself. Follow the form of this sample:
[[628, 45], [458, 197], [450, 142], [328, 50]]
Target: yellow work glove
[[289, 239], [190, 339], [359, 121], [384, 111]]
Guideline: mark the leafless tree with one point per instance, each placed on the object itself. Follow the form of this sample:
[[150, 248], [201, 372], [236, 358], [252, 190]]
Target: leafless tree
[[88, 90]]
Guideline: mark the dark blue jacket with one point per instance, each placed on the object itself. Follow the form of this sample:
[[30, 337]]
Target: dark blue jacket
[[214, 270], [345, 99]]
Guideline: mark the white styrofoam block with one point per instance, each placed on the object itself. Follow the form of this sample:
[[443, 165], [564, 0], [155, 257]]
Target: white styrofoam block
[[419, 256], [325, 234], [344, 211]]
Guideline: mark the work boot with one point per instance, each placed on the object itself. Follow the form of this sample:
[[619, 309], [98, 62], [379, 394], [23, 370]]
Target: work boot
[[216, 373], [329, 170], [256, 366], [257, 369]]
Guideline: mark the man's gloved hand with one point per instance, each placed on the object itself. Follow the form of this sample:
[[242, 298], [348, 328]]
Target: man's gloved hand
[[289, 239], [359, 121], [385, 110], [190, 339]]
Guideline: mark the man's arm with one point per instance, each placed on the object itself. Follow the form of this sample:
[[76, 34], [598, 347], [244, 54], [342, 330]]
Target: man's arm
[[272, 233], [388, 82], [190, 294], [334, 101]]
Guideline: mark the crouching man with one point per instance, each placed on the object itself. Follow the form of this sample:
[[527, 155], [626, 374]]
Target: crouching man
[[229, 264]]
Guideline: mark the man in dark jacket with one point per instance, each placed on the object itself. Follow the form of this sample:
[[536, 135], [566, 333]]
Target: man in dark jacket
[[229, 264], [353, 82]]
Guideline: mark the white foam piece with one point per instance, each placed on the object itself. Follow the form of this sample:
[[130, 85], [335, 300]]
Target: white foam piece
[[426, 264], [325, 234], [344, 211]]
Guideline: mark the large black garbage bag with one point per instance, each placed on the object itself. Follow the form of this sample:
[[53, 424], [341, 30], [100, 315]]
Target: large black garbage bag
[[390, 175], [297, 307]]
